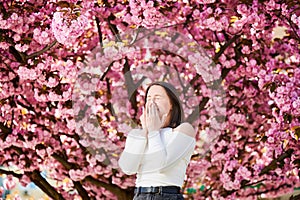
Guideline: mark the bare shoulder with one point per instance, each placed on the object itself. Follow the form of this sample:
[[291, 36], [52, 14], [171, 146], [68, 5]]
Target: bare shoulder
[[186, 128]]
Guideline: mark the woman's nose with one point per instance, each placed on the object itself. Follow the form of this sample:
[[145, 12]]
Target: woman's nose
[[151, 101]]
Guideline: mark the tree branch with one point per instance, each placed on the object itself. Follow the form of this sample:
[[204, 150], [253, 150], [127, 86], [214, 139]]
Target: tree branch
[[5, 131], [41, 182], [82, 192], [273, 165], [297, 197], [25, 106], [131, 86], [113, 28], [224, 47], [154, 30], [19, 56], [109, 96], [8, 172], [264, 191], [106, 71], [100, 34], [46, 48], [64, 163], [195, 114], [255, 183], [22, 57], [36, 177], [292, 26]]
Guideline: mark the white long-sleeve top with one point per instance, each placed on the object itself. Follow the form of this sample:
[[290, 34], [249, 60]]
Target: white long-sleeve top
[[159, 160]]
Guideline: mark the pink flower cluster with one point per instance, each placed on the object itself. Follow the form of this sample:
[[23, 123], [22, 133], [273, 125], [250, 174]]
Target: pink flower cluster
[[144, 13], [42, 37], [27, 74], [65, 28], [75, 126]]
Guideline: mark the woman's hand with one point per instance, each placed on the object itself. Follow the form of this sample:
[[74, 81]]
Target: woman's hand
[[143, 120], [153, 121]]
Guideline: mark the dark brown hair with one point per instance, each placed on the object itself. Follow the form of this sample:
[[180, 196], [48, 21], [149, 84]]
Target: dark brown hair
[[176, 112]]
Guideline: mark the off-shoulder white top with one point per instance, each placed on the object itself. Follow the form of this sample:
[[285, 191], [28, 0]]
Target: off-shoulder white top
[[159, 160]]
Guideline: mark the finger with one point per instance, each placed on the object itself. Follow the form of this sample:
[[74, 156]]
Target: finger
[[152, 110], [155, 110], [144, 112], [143, 115], [147, 108]]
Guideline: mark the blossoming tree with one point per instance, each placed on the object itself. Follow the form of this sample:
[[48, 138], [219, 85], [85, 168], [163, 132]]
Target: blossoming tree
[[72, 85]]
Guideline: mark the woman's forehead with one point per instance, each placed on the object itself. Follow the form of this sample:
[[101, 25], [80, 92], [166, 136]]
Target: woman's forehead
[[156, 90]]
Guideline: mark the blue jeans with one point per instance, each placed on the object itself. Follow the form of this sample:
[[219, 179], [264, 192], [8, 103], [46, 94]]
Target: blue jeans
[[158, 196]]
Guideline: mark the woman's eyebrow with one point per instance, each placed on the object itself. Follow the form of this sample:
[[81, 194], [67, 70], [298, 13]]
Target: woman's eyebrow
[[154, 95]]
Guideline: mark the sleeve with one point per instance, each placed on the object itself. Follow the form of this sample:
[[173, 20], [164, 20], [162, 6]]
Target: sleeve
[[161, 157], [132, 155]]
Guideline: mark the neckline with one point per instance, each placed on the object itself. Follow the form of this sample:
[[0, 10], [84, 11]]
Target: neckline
[[165, 129]]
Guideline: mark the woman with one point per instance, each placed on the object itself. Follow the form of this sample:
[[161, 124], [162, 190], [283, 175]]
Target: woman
[[159, 152]]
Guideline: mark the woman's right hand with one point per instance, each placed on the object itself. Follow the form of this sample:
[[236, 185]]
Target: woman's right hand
[[143, 119], [153, 121], [143, 122]]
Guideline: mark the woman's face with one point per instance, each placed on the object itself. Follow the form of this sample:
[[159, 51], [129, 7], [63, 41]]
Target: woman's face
[[158, 96]]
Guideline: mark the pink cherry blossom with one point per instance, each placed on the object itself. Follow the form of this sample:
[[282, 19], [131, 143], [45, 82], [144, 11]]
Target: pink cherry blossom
[[69, 71]]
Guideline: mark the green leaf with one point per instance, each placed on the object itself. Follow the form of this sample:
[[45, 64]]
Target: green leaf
[[191, 190], [202, 188]]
